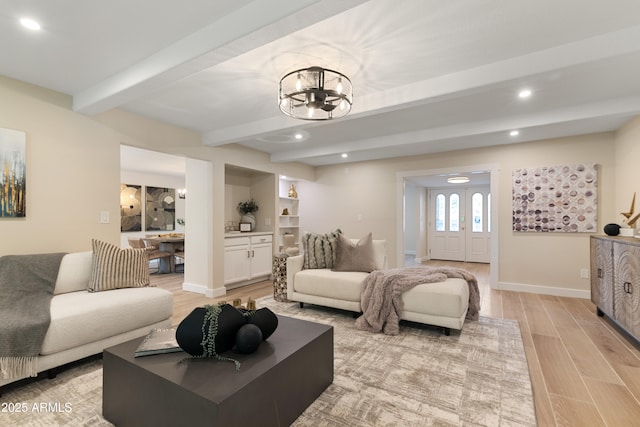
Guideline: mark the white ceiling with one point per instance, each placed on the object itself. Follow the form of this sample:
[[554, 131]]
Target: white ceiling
[[428, 75]]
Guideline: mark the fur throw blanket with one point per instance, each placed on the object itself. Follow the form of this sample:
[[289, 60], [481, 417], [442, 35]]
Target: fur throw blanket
[[26, 284], [381, 295]]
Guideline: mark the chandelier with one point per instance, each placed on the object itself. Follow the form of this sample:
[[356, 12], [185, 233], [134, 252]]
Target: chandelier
[[315, 93]]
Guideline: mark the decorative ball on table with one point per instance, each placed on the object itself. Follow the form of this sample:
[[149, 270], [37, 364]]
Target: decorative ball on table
[[612, 229], [248, 338]]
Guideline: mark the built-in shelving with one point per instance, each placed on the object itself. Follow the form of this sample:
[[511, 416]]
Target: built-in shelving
[[288, 219]]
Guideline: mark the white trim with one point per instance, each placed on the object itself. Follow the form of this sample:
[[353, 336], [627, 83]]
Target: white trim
[[544, 290], [201, 289]]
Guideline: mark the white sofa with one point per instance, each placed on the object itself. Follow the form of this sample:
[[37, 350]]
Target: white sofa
[[84, 323], [443, 304]]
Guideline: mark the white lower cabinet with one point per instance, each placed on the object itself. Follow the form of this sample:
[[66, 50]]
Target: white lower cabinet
[[247, 258]]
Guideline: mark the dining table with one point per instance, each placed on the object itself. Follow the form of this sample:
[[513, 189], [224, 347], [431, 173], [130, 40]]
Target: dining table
[[170, 244]]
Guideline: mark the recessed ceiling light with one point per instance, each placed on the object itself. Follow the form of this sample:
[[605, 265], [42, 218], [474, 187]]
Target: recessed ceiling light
[[524, 93], [458, 180], [514, 133], [30, 24], [344, 155], [298, 136]]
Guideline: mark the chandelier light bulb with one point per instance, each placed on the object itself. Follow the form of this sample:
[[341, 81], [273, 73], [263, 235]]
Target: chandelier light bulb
[[299, 83], [339, 87], [310, 112]]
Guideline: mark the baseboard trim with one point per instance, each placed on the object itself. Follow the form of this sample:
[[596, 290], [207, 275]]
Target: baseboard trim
[[544, 290], [200, 289]]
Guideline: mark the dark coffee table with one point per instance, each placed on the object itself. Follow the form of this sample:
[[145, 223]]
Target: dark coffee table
[[272, 388]]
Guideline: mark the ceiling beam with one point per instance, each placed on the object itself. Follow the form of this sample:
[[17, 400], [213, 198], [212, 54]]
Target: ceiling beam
[[619, 107], [247, 28]]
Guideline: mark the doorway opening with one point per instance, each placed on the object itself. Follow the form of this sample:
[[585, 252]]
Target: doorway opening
[[442, 221]]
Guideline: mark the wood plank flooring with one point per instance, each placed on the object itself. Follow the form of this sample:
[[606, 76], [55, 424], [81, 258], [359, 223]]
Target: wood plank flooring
[[584, 371]]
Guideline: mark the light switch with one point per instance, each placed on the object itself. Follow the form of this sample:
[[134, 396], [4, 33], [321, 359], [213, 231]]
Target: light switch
[[104, 217]]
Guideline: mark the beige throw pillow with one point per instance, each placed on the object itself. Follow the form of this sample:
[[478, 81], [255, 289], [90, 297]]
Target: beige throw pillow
[[115, 268], [355, 256]]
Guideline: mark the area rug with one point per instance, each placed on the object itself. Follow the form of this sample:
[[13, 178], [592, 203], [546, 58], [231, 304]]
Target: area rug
[[421, 377]]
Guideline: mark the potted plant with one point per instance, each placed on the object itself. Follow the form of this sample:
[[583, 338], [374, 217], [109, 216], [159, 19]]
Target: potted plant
[[246, 209]]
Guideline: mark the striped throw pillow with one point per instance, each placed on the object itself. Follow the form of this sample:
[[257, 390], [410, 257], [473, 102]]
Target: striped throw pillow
[[320, 249], [115, 268]]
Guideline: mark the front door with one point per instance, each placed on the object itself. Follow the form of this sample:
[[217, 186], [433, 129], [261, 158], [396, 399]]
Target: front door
[[459, 226]]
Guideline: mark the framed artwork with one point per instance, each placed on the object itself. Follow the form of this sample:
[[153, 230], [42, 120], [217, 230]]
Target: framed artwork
[[245, 226], [130, 207], [160, 209], [13, 173], [556, 199]]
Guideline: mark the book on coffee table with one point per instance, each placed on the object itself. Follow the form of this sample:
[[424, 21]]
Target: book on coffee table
[[158, 341]]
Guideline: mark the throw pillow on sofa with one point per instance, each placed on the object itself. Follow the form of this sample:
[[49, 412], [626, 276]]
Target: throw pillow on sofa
[[355, 256], [115, 268], [320, 249]]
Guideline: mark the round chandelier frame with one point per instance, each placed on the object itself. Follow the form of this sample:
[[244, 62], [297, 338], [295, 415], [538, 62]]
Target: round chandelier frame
[[315, 93]]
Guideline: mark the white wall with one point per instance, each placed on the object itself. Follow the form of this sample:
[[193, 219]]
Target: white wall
[[627, 172], [72, 174], [361, 197]]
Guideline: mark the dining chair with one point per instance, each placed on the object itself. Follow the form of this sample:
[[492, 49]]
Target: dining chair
[[179, 257], [151, 248]]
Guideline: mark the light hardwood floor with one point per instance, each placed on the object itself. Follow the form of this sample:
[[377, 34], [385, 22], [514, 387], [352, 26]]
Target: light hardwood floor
[[584, 372]]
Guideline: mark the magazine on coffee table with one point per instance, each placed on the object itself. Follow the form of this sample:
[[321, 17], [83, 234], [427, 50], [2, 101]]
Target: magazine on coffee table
[[158, 341]]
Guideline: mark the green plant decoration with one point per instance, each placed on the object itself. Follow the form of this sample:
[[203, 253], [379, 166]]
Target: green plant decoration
[[209, 334], [247, 207]]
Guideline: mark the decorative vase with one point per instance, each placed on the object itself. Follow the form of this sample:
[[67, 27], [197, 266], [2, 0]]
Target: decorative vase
[[189, 333], [264, 319], [250, 218], [612, 229], [290, 247], [292, 192]]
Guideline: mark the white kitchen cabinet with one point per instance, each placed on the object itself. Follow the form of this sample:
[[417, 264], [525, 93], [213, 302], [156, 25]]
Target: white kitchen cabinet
[[247, 258]]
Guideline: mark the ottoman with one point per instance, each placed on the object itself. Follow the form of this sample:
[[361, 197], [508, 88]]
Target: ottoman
[[442, 304]]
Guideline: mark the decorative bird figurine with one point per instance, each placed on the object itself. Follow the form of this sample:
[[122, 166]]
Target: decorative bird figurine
[[633, 204], [631, 221]]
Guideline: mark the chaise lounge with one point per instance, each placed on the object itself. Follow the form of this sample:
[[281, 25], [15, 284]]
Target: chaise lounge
[[444, 303]]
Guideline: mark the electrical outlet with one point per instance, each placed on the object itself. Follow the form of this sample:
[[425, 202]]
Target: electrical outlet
[[104, 217], [267, 221], [584, 273]]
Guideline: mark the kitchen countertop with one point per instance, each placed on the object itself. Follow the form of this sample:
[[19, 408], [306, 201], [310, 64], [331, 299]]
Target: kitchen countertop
[[248, 233]]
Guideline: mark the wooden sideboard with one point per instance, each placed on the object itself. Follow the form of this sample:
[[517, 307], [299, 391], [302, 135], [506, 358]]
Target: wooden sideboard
[[615, 280]]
